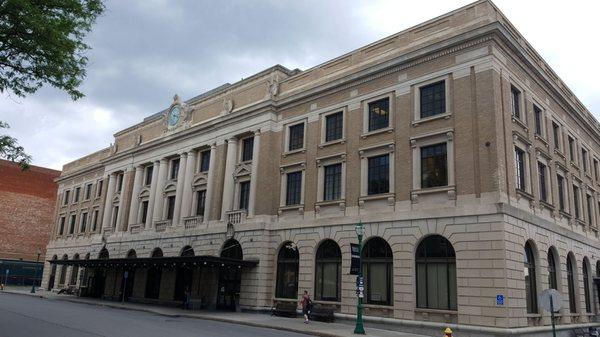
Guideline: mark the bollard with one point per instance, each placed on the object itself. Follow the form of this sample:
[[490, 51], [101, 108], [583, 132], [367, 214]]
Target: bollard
[[448, 332]]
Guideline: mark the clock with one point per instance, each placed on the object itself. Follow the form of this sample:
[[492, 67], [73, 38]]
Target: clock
[[173, 116]]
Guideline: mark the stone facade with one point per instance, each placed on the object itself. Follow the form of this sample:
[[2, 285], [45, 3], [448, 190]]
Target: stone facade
[[488, 208]]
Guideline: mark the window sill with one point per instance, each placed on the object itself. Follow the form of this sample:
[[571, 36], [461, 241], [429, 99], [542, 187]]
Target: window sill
[[332, 142], [574, 165], [389, 196], [524, 194], [541, 139], [546, 205], [534, 315], [279, 299], [436, 311], [328, 302], [589, 176], [520, 123], [341, 203], [559, 153], [299, 208], [379, 306], [445, 115], [289, 153], [376, 132], [564, 214], [450, 190]]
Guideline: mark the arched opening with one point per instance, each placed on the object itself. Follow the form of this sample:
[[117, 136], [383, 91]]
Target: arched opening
[[288, 264], [154, 276], [377, 266], [103, 255], [52, 278], [63, 272], [571, 281], [128, 279], [74, 272], [183, 277], [230, 278], [586, 284], [99, 278], [552, 269], [530, 279], [598, 283], [436, 274], [328, 271]]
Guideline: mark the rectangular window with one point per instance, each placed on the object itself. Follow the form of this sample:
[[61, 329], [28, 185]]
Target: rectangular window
[[99, 188], [584, 159], [170, 207], [76, 195], [247, 148], [556, 135], [515, 102], [145, 204], [590, 208], [174, 169], [72, 224], [148, 178], [332, 182], [94, 220], [576, 202], [294, 188], [66, 197], [520, 166], [379, 174], [244, 195], [204, 161], [542, 178], [334, 126], [296, 137], [200, 202], [537, 114], [83, 220], [119, 182], [61, 226], [561, 192], [115, 216], [433, 99], [572, 149], [434, 166], [379, 114], [88, 191]]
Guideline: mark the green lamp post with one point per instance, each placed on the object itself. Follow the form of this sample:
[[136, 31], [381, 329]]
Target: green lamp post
[[359, 329]]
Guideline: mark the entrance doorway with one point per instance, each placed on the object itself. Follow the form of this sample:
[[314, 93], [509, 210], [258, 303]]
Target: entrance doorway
[[52, 274], [229, 277], [184, 276]]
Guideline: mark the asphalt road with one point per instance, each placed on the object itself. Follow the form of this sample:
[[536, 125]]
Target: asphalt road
[[25, 316]]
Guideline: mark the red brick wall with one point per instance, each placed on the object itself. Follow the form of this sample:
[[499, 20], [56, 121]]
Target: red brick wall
[[27, 201]]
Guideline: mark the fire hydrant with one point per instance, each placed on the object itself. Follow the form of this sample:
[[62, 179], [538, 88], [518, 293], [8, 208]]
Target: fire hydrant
[[448, 332]]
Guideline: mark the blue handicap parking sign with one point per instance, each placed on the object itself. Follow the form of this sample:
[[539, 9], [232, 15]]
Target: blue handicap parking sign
[[499, 299]]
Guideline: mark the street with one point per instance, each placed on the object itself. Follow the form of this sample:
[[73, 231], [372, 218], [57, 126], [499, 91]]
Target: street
[[32, 317]]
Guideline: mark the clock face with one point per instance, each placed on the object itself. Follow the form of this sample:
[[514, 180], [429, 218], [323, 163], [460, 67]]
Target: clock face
[[173, 117]]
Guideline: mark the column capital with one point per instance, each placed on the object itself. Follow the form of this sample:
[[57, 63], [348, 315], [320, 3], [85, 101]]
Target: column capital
[[139, 168], [163, 161], [232, 140], [183, 154], [213, 146], [257, 133]]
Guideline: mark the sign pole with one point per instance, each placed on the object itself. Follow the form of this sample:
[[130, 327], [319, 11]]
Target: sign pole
[[359, 328], [125, 274], [552, 316]]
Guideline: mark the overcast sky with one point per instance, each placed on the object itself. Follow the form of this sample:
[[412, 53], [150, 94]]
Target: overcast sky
[[146, 51]]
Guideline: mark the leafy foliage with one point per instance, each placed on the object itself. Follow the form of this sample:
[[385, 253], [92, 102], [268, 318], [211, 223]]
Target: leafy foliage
[[10, 150]]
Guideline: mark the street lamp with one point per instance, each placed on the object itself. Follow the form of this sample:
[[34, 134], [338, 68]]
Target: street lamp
[[359, 329], [39, 252]]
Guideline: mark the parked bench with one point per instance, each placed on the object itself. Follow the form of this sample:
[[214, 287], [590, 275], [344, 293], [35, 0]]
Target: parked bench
[[321, 312], [284, 309]]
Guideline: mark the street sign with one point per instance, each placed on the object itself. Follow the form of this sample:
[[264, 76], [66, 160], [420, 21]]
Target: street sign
[[500, 300], [545, 298], [355, 259]]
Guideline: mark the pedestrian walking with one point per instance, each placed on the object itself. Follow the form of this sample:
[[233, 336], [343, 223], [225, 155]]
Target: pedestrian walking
[[306, 304], [186, 298]]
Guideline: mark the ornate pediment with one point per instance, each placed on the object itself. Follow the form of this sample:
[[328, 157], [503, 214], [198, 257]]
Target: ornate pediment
[[200, 180], [178, 116], [145, 193], [242, 170], [170, 188]]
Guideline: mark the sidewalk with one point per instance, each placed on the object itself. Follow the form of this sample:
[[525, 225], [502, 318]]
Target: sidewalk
[[251, 319]]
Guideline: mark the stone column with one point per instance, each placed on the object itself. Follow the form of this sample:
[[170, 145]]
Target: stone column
[[135, 200], [254, 174], [122, 214], [110, 193], [186, 200], [157, 212], [180, 184], [211, 182], [149, 217], [228, 184]]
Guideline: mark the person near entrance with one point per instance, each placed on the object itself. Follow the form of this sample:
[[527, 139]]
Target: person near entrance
[[306, 304], [187, 296]]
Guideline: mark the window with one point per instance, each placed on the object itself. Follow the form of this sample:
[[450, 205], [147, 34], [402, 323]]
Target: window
[[99, 188], [200, 202], [67, 195], [561, 192], [144, 210], [287, 272], [74, 272], [174, 169], [293, 193], [552, 278], [542, 172], [556, 133], [515, 102], [148, 178], [334, 126], [170, 207], [296, 137], [434, 166], [584, 159], [61, 226], [72, 224], [590, 209], [571, 285], [76, 195], [537, 114], [377, 266], [433, 99], [88, 191], [247, 148], [576, 202], [586, 286], [83, 225], [94, 220], [378, 174], [328, 272], [204, 161], [436, 274], [119, 182], [520, 165], [115, 216], [63, 271], [332, 182], [530, 280], [379, 114], [572, 149], [244, 195], [595, 169]]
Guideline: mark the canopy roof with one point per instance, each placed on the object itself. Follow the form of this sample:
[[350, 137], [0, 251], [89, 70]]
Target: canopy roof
[[173, 261]]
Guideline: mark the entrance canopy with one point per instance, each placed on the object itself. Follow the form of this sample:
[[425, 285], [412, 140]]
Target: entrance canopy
[[175, 261]]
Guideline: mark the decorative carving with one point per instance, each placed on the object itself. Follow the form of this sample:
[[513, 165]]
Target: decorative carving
[[273, 86], [228, 105], [138, 139], [230, 230], [450, 135], [182, 120], [113, 148], [413, 143]]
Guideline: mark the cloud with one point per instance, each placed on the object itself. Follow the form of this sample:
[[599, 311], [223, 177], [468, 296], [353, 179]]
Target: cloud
[[146, 51]]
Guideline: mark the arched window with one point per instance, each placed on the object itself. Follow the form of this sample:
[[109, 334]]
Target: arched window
[[377, 266], [74, 271], [436, 274], [586, 285], [63, 271], [154, 276], [232, 250], [552, 278], [131, 254], [103, 255], [52, 274], [187, 251], [157, 252], [287, 271], [598, 268], [530, 280], [571, 284], [328, 273]]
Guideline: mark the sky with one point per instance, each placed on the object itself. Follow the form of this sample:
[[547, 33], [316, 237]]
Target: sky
[[145, 51]]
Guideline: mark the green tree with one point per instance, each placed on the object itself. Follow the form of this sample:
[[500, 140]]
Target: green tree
[[42, 42]]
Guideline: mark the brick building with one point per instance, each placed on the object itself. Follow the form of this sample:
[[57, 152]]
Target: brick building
[[472, 166], [27, 206]]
